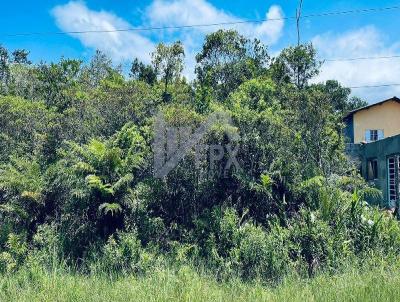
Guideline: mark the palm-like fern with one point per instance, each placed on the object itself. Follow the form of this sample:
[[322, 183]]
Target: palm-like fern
[[110, 208]]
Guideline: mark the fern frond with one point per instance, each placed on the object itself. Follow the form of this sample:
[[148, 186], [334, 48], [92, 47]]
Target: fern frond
[[112, 208], [122, 182], [95, 182]]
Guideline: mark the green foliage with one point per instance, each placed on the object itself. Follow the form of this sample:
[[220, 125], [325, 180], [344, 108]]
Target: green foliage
[[123, 253], [296, 65], [93, 186], [46, 248], [14, 254], [228, 59], [99, 69], [18, 57], [264, 255], [21, 196], [167, 62], [24, 126], [140, 71], [56, 81], [77, 188]]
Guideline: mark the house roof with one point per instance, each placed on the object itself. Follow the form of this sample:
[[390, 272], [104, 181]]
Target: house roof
[[393, 99]]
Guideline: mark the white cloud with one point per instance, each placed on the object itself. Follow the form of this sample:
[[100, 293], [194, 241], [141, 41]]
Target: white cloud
[[184, 12], [121, 46], [271, 30], [75, 16], [194, 12], [363, 42]]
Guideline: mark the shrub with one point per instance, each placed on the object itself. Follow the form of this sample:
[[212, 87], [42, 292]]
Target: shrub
[[46, 248], [312, 240], [264, 255], [123, 253], [14, 255], [235, 246]]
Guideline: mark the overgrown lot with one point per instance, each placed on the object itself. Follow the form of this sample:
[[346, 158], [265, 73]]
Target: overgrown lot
[[83, 217]]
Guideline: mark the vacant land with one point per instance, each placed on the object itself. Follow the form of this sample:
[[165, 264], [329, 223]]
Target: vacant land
[[185, 285], [280, 201]]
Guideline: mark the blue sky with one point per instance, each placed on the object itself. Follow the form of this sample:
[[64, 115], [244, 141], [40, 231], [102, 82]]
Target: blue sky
[[352, 35]]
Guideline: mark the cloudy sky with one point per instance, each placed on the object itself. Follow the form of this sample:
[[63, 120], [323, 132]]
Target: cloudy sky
[[352, 35]]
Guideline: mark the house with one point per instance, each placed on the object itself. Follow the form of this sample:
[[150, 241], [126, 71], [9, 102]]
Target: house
[[373, 136], [373, 122]]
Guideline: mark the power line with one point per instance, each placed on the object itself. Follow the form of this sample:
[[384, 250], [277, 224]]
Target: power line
[[353, 11], [297, 17], [325, 14], [374, 86], [361, 58]]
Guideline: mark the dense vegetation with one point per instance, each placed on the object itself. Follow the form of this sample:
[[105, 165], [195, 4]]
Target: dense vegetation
[[76, 169]]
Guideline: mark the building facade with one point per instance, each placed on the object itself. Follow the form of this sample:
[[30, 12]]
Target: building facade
[[374, 122], [373, 135]]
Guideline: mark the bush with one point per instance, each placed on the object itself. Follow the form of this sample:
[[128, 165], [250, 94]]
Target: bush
[[312, 241], [238, 247], [46, 249], [264, 255], [123, 253], [14, 255]]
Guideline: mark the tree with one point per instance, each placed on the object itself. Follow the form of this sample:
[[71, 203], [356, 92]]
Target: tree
[[21, 198], [339, 98], [20, 56], [24, 81], [56, 79], [296, 65], [140, 71], [93, 183], [99, 68], [23, 126], [355, 103], [227, 59], [167, 61]]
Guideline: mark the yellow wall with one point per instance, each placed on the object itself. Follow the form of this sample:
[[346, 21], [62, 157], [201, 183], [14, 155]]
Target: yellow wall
[[384, 117]]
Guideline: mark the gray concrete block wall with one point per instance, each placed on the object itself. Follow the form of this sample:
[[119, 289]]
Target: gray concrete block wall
[[380, 150]]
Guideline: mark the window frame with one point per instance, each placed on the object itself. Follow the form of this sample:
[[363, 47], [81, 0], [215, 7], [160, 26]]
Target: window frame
[[373, 135], [393, 178]]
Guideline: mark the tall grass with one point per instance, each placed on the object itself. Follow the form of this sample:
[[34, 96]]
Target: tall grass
[[184, 284]]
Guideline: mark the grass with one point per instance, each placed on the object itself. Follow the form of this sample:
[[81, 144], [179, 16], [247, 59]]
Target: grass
[[186, 285]]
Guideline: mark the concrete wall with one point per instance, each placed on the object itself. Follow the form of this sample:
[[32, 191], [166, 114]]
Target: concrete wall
[[384, 117], [380, 150]]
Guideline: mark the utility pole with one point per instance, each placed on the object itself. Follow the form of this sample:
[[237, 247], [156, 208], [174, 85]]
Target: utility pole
[[298, 17]]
